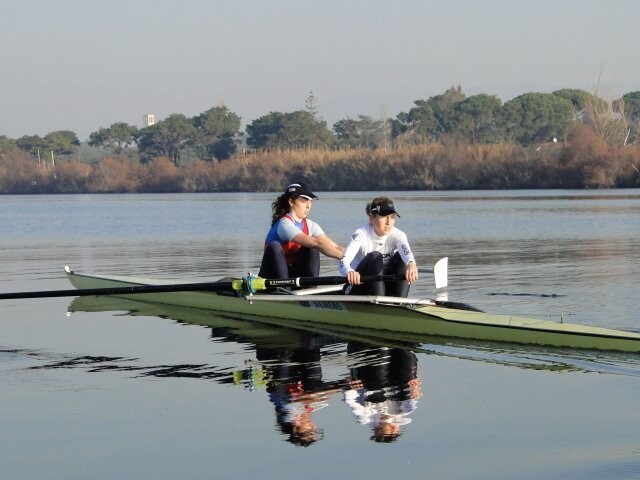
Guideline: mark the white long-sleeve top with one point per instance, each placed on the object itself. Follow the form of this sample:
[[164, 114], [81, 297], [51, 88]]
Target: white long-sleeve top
[[364, 240], [370, 413]]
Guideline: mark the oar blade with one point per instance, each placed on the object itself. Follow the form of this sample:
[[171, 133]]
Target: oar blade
[[441, 272]]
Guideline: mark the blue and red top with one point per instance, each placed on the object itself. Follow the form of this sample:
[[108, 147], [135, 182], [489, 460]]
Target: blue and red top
[[286, 228]]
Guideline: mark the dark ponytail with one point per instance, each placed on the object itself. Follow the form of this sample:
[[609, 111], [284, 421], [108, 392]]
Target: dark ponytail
[[280, 207]]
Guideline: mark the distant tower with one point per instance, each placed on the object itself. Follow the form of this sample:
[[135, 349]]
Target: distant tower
[[148, 119], [311, 104]]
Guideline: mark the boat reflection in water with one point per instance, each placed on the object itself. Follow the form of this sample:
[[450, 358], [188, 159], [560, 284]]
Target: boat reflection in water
[[379, 384], [304, 367]]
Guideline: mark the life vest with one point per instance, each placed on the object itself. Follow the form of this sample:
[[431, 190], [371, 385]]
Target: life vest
[[289, 248]]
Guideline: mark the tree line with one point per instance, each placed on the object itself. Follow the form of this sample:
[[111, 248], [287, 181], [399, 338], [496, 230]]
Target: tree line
[[446, 141]]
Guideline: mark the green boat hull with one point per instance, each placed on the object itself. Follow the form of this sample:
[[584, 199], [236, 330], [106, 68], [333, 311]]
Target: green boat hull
[[405, 317]]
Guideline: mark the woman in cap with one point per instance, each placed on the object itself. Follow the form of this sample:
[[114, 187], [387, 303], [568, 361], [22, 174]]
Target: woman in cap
[[294, 242], [379, 248]]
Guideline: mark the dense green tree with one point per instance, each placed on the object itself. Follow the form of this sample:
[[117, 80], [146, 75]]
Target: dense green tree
[[7, 144], [116, 138], [578, 98], [442, 106], [474, 118], [217, 132], [33, 144], [429, 119], [301, 128], [586, 105], [361, 132], [420, 122], [62, 142], [288, 130], [628, 109], [400, 125], [263, 131], [535, 117], [631, 102], [169, 138]]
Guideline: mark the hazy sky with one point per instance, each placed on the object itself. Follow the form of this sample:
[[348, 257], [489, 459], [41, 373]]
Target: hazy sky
[[84, 64]]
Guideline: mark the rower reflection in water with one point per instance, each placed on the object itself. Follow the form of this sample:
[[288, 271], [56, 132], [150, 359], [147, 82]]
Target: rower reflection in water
[[296, 389], [379, 384], [384, 389]]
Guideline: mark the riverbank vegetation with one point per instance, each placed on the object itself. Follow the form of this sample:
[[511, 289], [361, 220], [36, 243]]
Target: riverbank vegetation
[[567, 139]]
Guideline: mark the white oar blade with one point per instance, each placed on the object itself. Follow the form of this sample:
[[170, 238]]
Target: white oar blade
[[442, 296], [441, 272]]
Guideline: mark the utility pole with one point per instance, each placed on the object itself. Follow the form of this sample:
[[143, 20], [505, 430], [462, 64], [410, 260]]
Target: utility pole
[[53, 165]]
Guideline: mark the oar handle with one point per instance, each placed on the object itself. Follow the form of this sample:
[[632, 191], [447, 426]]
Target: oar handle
[[254, 284]]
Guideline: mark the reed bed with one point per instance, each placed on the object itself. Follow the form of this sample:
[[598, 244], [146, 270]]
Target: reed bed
[[584, 160]]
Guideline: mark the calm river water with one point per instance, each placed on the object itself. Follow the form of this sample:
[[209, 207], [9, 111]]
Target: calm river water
[[103, 390]]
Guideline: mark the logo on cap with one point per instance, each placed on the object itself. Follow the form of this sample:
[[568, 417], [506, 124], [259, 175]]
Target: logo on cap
[[384, 209]]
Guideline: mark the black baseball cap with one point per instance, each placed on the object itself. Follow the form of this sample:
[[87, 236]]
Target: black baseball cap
[[383, 208], [300, 190]]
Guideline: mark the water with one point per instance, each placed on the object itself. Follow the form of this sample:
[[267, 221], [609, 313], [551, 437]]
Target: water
[[126, 390]]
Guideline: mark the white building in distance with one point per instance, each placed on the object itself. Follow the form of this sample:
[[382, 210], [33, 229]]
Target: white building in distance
[[148, 120]]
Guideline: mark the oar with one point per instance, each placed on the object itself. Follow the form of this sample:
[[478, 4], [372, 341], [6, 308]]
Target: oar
[[249, 284], [440, 272], [83, 292]]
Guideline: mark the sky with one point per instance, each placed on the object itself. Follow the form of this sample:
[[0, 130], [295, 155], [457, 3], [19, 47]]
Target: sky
[[81, 65]]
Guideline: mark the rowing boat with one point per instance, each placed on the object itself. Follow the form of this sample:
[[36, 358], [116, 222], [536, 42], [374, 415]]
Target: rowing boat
[[323, 306]]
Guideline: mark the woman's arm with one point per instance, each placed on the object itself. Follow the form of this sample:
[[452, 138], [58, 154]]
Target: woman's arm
[[411, 274], [350, 253], [322, 243]]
